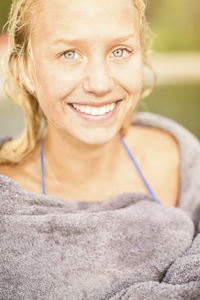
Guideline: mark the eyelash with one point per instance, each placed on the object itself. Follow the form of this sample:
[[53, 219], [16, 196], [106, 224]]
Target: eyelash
[[74, 50], [124, 49]]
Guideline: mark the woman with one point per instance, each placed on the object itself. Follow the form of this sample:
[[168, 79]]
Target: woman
[[106, 226]]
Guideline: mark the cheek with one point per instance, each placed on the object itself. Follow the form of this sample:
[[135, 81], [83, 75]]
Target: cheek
[[130, 76], [53, 83]]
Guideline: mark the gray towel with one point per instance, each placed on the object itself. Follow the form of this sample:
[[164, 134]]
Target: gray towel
[[181, 281], [127, 247], [133, 248]]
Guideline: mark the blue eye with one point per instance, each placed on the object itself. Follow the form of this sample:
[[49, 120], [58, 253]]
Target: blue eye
[[118, 52], [71, 54], [121, 52]]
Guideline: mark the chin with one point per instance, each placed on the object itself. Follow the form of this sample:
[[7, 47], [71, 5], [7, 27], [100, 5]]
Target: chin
[[98, 136]]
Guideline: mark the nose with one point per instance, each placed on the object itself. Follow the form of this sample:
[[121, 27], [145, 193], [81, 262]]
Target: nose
[[97, 79]]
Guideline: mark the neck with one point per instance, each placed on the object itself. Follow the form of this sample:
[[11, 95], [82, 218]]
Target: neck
[[80, 164]]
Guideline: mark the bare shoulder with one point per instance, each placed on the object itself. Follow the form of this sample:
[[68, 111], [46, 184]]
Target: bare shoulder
[[156, 139], [153, 142], [158, 154], [14, 172], [24, 174], [8, 170]]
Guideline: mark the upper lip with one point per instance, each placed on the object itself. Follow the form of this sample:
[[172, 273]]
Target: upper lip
[[96, 104]]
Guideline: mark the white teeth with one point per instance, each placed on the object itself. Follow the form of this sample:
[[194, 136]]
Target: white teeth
[[94, 110]]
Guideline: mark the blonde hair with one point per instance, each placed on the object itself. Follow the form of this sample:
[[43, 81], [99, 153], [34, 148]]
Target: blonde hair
[[19, 30]]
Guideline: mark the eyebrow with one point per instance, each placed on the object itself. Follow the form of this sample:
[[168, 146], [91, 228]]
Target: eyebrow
[[117, 40]]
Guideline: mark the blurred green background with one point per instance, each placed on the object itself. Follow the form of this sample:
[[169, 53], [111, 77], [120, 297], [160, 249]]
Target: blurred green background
[[176, 59]]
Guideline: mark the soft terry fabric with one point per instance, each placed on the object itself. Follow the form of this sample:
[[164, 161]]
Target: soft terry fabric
[[127, 247]]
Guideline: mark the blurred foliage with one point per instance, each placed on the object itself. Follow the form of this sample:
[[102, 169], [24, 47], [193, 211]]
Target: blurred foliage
[[4, 9], [179, 102], [176, 23]]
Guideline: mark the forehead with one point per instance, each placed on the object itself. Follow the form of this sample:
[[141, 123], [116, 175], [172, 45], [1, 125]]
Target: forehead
[[86, 18]]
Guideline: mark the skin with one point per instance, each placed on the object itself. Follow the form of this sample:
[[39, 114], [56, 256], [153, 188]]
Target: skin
[[94, 74], [78, 153]]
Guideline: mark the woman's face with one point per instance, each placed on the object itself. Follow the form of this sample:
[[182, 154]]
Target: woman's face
[[87, 53]]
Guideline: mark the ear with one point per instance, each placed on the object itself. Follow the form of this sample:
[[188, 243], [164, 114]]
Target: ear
[[150, 80], [26, 77]]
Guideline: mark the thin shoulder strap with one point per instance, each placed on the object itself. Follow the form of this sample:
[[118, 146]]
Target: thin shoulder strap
[[152, 194], [42, 167]]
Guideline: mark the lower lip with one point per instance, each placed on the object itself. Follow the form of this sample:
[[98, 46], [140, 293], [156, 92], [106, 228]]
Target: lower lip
[[104, 117]]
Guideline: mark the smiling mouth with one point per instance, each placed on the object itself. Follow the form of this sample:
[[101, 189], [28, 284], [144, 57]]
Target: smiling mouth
[[95, 110]]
